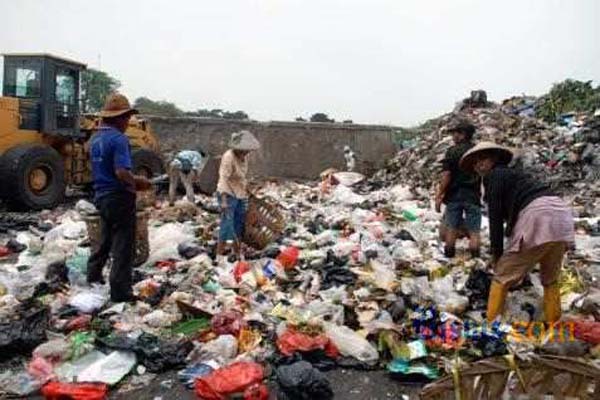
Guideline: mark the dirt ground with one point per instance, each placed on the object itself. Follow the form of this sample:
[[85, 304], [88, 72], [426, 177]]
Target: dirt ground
[[347, 385]]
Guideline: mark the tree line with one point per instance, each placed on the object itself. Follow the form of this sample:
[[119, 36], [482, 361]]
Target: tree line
[[96, 85]]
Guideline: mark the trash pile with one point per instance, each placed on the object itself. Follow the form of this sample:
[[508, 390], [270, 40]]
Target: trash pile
[[357, 280], [566, 154]]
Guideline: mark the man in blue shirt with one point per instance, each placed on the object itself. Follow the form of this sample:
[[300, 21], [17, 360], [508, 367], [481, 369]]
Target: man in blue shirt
[[115, 188]]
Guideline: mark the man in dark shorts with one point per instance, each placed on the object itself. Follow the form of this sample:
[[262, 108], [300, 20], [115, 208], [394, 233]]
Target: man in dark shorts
[[460, 192]]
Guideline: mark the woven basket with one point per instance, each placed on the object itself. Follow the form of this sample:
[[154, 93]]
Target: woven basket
[[538, 377], [142, 246], [264, 223]]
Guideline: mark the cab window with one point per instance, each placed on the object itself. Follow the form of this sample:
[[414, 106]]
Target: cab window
[[27, 82], [65, 87]]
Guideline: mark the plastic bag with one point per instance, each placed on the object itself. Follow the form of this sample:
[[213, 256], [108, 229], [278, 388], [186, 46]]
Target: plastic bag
[[288, 257], [85, 207], [256, 392], [55, 350], [111, 369], [588, 331], [228, 322], [21, 335], [68, 371], [222, 349], [77, 266], [41, 369], [384, 276], [351, 343], [189, 250], [155, 354], [75, 391], [300, 381], [160, 319], [189, 375], [164, 239], [18, 383], [234, 378], [239, 269], [89, 300], [292, 341]]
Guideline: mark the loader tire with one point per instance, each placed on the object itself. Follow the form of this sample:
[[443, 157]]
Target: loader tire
[[147, 163], [32, 177]]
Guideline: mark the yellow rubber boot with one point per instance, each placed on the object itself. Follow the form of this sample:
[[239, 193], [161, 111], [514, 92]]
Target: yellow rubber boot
[[552, 311], [496, 301]]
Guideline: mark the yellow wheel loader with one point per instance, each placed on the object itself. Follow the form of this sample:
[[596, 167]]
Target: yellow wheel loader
[[43, 136]]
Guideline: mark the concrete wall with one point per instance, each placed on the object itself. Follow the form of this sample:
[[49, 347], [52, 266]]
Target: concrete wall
[[289, 149]]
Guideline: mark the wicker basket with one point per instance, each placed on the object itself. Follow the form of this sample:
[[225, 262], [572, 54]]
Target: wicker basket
[[537, 377], [142, 246], [264, 223]]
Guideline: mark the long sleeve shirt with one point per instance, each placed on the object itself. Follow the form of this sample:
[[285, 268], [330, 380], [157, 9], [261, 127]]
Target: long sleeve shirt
[[232, 175], [507, 192]]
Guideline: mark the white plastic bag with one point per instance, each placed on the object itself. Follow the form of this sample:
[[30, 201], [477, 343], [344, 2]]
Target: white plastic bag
[[90, 300], [351, 343], [110, 369]]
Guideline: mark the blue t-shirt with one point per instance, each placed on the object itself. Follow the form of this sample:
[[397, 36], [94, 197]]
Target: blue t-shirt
[[109, 151]]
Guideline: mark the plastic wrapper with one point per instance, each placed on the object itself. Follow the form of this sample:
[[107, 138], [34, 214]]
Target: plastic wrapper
[[351, 343], [235, 378], [301, 381], [406, 368]]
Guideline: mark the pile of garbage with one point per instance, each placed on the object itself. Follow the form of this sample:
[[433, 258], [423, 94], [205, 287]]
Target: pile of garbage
[[566, 153], [357, 280]]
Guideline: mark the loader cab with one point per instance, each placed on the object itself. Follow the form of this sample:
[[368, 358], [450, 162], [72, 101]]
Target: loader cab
[[48, 91]]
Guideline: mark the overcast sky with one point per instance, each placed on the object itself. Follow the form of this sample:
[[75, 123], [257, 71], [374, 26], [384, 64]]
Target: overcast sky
[[373, 61]]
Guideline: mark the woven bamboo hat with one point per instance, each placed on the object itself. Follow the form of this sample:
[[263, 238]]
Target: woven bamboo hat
[[244, 140], [468, 159]]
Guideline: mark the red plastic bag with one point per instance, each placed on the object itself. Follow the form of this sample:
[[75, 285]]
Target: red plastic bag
[[235, 378], [292, 341], [288, 257], [80, 323], [166, 264], [588, 331], [240, 268], [4, 251], [256, 392], [75, 391], [41, 369], [228, 323]]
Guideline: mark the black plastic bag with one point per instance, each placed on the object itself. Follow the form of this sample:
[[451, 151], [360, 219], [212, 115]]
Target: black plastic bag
[[300, 381], [20, 336], [478, 284], [152, 352], [189, 250]]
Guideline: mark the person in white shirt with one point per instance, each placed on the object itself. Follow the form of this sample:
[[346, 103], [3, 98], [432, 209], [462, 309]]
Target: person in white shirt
[[350, 159]]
